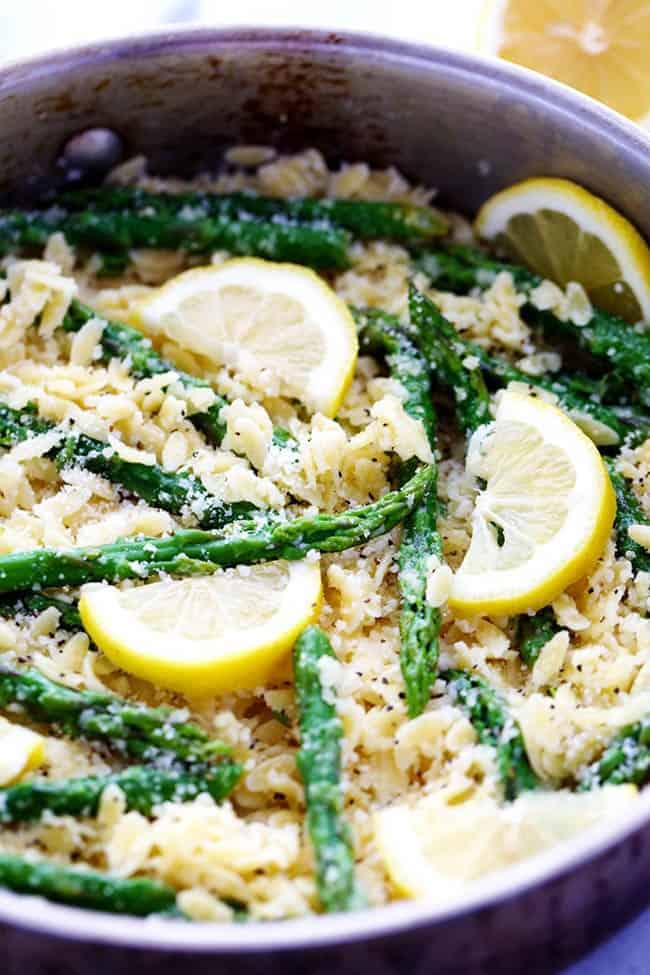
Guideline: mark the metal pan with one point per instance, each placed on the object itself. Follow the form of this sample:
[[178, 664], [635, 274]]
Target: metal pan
[[460, 123]]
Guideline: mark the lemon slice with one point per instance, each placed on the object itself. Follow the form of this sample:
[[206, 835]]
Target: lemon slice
[[21, 751], [599, 48], [274, 323], [565, 233], [435, 851], [544, 516], [206, 634]]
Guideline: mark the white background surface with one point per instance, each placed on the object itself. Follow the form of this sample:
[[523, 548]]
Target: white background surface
[[32, 26]]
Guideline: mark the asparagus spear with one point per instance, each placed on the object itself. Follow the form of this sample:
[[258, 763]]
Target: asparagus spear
[[146, 733], [86, 888], [144, 789], [626, 759], [463, 378], [419, 622], [179, 493], [435, 333], [114, 233], [628, 512], [365, 219], [534, 632], [119, 341], [605, 335], [577, 395], [191, 551], [459, 268], [382, 335], [495, 727], [36, 602], [451, 361], [319, 764], [19, 425]]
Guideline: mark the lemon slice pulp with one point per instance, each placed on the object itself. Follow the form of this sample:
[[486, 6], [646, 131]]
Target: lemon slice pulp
[[565, 233], [435, 851], [600, 48], [21, 751], [274, 323], [545, 513], [209, 633]]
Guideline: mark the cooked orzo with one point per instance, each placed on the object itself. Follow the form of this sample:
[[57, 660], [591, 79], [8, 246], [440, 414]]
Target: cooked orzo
[[375, 535]]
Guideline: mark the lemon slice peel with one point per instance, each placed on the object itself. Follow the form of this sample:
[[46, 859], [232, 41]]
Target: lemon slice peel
[[545, 515], [567, 234], [435, 850], [21, 750], [208, 634], [279, 325]]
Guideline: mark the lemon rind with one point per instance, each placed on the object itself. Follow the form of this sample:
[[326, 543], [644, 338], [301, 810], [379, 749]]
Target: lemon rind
[[471, 595], [588, 211], [329, 383], [204, 667]]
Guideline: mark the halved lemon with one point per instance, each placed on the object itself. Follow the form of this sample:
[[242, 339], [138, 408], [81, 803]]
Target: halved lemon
[[21, 751], [545, 513], [276, 323], [206, 634], [565, 233], [600, 48], [434, 850]]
